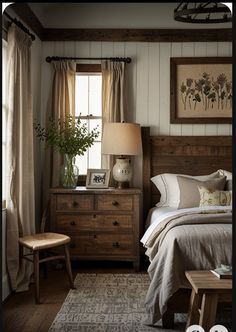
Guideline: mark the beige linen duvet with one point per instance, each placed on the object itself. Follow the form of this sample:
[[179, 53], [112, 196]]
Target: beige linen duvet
[[187, 239]]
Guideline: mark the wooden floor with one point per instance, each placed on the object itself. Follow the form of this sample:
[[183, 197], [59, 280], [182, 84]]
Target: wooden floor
[[21, 314]]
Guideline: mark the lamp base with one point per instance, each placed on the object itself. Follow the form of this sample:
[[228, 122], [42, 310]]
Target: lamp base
[[122, 185], [122, 173]]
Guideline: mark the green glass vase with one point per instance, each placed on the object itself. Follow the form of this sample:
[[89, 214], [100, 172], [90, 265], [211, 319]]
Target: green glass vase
[[70, 172]]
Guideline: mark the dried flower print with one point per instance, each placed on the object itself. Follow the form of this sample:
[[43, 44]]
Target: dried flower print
[[207, 91]]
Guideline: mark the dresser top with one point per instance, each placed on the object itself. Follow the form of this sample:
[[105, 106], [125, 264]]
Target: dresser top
[[84, 190]]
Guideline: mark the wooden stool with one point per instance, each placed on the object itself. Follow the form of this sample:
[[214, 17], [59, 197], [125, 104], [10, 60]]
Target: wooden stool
[[43, 241], [207, 291]]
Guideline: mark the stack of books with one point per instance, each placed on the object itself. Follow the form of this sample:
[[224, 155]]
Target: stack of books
[[222, 273]]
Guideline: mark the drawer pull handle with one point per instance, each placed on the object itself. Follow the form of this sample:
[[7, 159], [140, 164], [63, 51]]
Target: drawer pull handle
[[75, 203], [73, 223], [115, 223], [115, 244], [72, 245], [115, 203]]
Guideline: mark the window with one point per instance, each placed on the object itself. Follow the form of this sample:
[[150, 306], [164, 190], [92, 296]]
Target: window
[[88, 106], [4, 120]]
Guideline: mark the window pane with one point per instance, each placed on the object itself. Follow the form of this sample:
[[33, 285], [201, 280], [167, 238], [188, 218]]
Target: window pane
[[81, 95], [95, 95], [89, 102], [81, 163], [84, 121], [95, 155], [96, 123]]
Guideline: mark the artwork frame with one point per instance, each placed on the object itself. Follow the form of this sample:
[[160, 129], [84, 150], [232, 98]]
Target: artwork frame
[[214, 112], [97, 178]]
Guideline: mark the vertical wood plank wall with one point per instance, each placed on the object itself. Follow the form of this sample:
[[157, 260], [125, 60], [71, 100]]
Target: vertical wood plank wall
[[148, 79]]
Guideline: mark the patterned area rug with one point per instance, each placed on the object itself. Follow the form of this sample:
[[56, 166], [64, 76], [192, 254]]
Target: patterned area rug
[[108, 303]]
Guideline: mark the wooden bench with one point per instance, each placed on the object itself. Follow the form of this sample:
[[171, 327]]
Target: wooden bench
[[207, 291]]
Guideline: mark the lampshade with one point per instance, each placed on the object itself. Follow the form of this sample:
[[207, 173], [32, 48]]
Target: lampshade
[[122, 139]]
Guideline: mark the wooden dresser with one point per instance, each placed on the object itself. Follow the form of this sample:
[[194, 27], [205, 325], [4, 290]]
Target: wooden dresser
[[104, 224]]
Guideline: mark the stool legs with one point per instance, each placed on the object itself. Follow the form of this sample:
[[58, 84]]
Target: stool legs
[[193, 315], [68, 266], [208, 310], [36, 275]]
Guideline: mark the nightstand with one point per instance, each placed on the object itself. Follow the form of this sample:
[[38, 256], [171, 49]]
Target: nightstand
[[104, 224]]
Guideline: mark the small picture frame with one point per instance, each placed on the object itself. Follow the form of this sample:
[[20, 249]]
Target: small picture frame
[[97, 178]]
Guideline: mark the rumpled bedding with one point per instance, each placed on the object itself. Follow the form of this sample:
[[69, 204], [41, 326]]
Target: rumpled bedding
[[186, 239]]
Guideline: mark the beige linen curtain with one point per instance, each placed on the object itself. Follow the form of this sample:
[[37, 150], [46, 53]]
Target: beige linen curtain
[[62, 103], [20, 196], [113, 97]]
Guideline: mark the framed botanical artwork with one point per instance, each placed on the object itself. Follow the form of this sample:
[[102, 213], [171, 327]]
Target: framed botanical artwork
[[97, 178], [201, 90]]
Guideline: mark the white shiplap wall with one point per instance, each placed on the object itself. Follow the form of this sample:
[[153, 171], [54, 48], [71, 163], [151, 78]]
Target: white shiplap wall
[[148, 82], [148, 78]]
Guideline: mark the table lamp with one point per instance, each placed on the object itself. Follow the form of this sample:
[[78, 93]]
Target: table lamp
[[122, 139]]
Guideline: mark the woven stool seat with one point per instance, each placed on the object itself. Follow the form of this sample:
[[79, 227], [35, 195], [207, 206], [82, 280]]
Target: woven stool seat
[[43, 240]]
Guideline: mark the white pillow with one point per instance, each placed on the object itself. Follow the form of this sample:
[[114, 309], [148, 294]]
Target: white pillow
[[229, 180], [223, 172], [168, 186], [189, 193]]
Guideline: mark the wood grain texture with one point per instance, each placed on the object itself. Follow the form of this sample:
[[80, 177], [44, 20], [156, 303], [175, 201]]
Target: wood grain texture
[[206, 281], [74, 202], [142, 35], [28, 17], [207, 291], [103, 224], [138, 35], [87, 222], [114, 203], [193, 155], [208, 310], [145, 132], [102, 246]]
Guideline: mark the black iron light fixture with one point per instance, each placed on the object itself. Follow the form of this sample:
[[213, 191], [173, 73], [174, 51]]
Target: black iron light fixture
[[208, 12]]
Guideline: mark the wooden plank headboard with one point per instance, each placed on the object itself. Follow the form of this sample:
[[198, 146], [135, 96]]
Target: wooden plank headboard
[[193, 155]]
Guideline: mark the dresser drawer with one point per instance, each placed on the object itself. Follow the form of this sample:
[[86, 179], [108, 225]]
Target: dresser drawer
[[114, 202], [103, 224], [104, 245], [74, 222], [113, 223], [90, 222], [114, 244], [74, 202]]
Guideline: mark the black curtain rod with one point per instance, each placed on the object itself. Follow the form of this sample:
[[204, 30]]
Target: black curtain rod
[[57, 58], [20, 25]]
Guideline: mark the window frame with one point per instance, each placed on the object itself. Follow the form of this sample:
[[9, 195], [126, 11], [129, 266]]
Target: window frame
[[87, 68]]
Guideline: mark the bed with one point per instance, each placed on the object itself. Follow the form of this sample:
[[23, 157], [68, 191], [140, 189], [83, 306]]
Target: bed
[[206, 230]]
